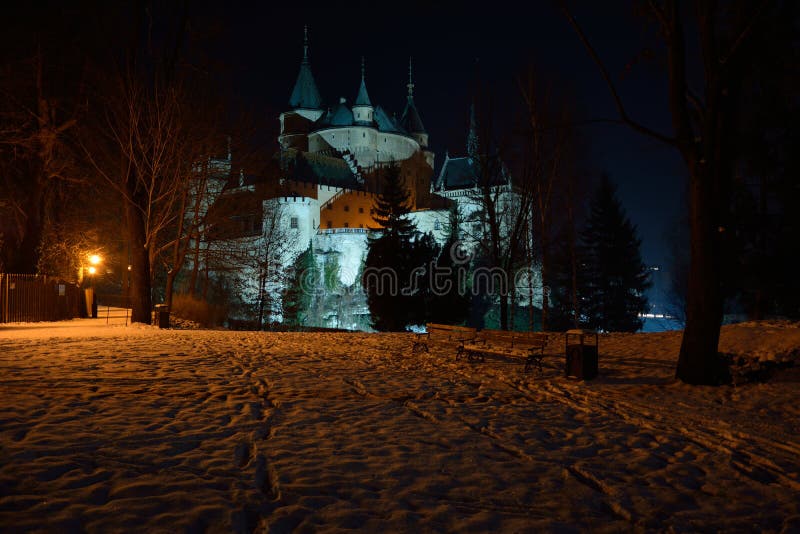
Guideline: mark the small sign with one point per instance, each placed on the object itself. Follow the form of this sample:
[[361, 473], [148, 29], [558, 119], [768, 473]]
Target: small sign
[[62, 290]]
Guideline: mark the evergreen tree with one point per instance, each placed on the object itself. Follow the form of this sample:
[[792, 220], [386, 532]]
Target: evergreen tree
[[393, 298], [450, 299], [298, 294], [613, 277], [393, 205], [562, 314]]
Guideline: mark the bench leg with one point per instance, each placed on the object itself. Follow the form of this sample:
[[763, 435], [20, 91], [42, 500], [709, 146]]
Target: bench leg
[[476, 357], [420, 346], [533, 360], [459, 353]]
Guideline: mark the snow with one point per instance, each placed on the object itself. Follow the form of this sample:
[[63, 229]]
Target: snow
[[113, 427]]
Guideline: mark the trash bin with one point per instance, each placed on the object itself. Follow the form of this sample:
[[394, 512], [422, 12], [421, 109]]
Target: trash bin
[[162, 315], [581, 354]]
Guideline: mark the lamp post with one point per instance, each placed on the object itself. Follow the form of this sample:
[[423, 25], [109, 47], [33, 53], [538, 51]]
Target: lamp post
[[94, 261]]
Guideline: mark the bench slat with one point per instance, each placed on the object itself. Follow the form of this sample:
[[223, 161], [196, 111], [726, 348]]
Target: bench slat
[[529, 345], [442, 333]]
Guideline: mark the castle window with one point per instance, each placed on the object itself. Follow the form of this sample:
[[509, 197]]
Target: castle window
[[361, 226], [360, 210], [347, 225], [437, 225], [363, 134], [293, 223], [346, 207], [330, 206], [330, 224]]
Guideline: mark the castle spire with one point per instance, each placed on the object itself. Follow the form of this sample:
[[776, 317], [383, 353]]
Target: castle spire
[[472, 137], [411, 120], [363, 97], [410, 83], [305, 44], [305, 94]]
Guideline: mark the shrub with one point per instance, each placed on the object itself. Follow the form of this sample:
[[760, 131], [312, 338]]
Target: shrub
[[198, 310]]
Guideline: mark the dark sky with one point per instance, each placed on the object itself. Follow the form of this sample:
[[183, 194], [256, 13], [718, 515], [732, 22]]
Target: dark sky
[[259, 48], [445, 40]]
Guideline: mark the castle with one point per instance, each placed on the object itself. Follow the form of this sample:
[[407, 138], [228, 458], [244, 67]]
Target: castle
[[329, 160]]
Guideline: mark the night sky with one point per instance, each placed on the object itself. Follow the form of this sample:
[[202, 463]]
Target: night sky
[[446, 40], [258, 47]]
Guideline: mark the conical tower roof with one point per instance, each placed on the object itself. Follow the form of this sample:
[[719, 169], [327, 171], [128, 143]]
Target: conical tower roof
[[411, 120], [363, 97], [305, 94]]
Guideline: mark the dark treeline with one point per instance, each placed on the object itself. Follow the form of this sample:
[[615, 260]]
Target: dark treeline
[[111, 115]]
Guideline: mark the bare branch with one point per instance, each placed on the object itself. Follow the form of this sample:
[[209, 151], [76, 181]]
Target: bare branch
[[617, 100], [745, 33]]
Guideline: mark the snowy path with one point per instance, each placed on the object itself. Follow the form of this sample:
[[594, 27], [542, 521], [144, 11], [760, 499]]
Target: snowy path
[[139, 428]]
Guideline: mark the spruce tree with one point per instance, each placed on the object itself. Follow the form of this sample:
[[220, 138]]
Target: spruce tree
[[392, 206], [562, 312], [450, 297], [613, 278], [395, 254]]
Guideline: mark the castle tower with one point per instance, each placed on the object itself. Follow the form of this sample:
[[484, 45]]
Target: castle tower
[[363, 112], [411, 120], [305, 95], [306, 104]]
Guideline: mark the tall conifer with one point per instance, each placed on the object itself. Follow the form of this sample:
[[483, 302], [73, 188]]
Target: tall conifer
[[614, 278], [395, 255]]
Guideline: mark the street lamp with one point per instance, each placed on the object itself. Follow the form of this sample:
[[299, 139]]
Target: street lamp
[[94, 261]]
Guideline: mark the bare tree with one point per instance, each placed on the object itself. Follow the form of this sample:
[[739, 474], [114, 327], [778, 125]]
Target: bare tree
[[143, 156], [546, 143], [35, 153], [503, 206], [249, 244], [702, 133]]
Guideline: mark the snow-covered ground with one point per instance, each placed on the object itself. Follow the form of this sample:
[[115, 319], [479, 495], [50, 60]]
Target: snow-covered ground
[[107, 427]]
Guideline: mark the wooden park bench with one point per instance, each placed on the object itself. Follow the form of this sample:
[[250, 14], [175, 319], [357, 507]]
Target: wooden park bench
[[443, 334], [528, 345]]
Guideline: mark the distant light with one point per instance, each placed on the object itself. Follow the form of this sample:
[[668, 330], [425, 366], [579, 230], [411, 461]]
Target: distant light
[[94, 259], [92, 270]]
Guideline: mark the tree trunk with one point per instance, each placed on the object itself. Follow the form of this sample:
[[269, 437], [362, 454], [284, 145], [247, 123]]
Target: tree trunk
[[140, 281], [169, 287], [698, 362], [195, 266], [178, 254], [504, 311], [545, 278], [141, 300], [573, 260]]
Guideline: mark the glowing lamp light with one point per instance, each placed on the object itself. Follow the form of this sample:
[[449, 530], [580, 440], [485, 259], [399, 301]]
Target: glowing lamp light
[[92, 270], [94, 259]]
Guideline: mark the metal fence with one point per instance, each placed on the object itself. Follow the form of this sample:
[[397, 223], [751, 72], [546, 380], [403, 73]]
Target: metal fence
[[31, 298]]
